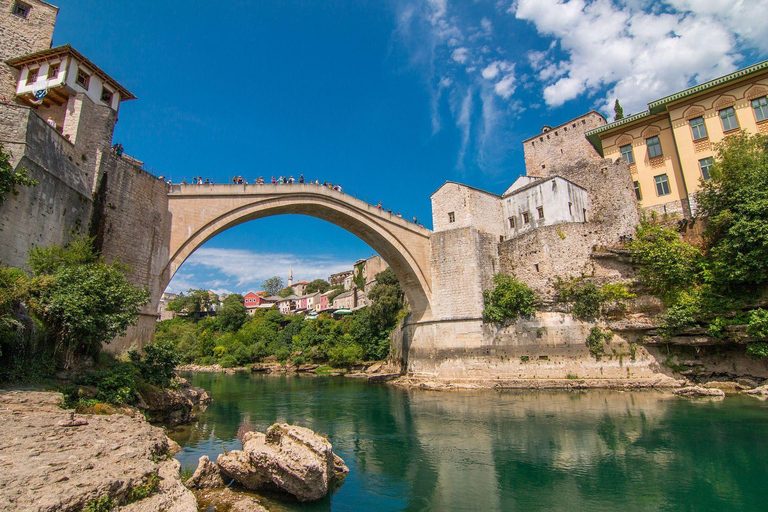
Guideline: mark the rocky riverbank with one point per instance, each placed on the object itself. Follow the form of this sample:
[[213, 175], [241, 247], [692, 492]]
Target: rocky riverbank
[[372, 370], [50, 463]]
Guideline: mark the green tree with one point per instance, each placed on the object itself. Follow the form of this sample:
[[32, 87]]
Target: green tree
[[508, 300], [232, 314], [735, 202], [617, 111], [83, 301], [194, 303], [273, 285], [667, 263], [318, 285], [10, 177]]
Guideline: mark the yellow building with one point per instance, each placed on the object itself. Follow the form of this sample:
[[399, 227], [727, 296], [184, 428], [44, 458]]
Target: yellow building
[[670, 146]]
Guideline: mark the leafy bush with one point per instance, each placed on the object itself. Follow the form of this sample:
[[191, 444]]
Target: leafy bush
[[667, 263], [157, 365], [508, 300], [587, 301], [685, 312], [115, 384], [758, 324], [759, 350], [596, 341], [10, 177]]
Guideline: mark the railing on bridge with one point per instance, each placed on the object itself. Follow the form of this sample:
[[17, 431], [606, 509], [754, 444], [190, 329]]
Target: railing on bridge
[[177, 187]]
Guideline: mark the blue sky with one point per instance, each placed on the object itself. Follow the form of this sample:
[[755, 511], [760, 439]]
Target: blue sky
[[389, 98]]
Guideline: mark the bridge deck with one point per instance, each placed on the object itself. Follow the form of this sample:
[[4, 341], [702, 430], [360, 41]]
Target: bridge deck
[[291, 189]]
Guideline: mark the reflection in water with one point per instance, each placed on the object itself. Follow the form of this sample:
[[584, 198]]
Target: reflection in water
[[487, 450]]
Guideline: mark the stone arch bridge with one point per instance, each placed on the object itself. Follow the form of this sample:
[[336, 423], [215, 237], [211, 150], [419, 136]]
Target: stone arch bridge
[[199, 212]]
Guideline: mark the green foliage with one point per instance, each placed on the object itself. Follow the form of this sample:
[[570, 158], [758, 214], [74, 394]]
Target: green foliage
[[100, 504], [667, 263], [587, 301], [359, 277], [194, 303], [618, 112], [156, 366], [363, 335], [685, 312], [285, 292], [116, 383], [596, 341], [337, 290], [273, 285], [717, 326], [758, 350], [83, 301], [318, 285], [735, 201], [9, 177], [758, 324], [617, 293], [145, 490], [232, 314], [508, 300]]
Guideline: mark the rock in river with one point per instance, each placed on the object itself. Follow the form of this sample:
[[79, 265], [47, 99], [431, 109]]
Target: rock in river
[[698, 391], [290, 458]]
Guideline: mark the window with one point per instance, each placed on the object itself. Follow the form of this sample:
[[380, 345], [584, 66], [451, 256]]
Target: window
[[83, 79], [540, 211], [106, 95], [53, 71], [638, 194], [451, 217], [728, 117], [662, 185], [32, 76], [20, 9], [697, 128], [512, 223], [654, 146], [705, 164], [760, 105], [626, 153], [526, 218]]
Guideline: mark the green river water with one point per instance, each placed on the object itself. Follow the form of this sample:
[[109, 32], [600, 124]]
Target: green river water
[[502, 450]]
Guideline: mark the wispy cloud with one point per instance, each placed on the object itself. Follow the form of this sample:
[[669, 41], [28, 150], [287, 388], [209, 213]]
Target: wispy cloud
[[239, 270]]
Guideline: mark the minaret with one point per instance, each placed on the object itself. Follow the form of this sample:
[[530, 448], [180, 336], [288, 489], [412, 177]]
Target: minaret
[[290, 275]]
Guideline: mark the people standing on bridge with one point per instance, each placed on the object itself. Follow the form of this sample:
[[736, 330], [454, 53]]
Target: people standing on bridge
[[379, 205], [234, 180], [301, 178], [415, 220], [291, 180], [399, 216]]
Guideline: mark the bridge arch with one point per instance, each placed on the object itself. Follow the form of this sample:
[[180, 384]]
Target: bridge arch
[[199, 212]]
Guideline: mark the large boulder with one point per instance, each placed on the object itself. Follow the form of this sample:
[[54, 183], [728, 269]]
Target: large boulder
[[698, 391], [206, 476], [761, 392], [290, 458]]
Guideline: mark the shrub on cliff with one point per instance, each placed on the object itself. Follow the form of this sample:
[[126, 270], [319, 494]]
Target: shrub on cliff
[[157, 364], [83, 301], [508, 300]]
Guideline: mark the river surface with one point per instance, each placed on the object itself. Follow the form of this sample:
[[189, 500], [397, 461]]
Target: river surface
[[512, 450]]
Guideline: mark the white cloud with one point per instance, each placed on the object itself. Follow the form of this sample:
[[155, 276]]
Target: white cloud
[[505, 87], [460, 55], [640, 50], [491, 71], [243, 270], [486, 24]]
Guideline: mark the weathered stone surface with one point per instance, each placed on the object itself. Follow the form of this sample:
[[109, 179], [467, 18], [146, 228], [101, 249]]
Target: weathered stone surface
[[761, 392], [698, 391], [290, 458], [46, 467], [206, 476], [248, 505], [173, 407]]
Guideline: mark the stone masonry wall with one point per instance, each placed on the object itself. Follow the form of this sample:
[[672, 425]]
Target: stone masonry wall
[[21, 36], [470, 207], [132, 225], [61, 202], [560, 146], [463, 263]]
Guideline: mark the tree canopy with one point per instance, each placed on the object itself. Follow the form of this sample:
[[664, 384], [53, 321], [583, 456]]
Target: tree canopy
[[194, 302], [273, 285], [318, 285]]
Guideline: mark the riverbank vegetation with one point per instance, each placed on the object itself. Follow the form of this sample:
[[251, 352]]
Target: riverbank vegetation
[[722, 280], [234, 339]]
